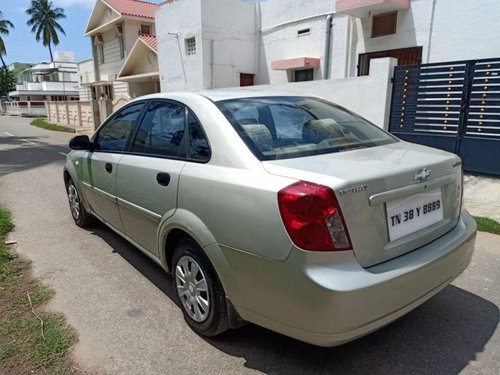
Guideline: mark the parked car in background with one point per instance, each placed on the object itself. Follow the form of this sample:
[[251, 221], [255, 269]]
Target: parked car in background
[[286, 211]]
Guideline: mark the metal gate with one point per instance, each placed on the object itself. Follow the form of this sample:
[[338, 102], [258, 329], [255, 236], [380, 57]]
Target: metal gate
[[454, 106]]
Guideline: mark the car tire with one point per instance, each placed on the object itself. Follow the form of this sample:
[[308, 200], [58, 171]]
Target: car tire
[[198, 290], [81, 216]]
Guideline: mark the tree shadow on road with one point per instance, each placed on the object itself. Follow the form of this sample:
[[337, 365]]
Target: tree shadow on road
[[440, 337], [28, 153]]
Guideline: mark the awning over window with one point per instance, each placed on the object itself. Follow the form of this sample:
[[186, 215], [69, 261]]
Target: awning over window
[[362, 8], [297, 63], [141, 65]]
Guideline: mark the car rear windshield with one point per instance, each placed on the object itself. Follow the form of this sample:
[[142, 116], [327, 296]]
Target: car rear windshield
[[282, 127]]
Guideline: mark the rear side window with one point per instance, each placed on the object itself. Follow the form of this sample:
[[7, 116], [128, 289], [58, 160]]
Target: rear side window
[[113, 136], [288, 127], [162, 131], [199, 148]]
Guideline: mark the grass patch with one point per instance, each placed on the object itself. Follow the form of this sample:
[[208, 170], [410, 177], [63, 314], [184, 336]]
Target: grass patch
[[485, 224], [41, 123], [6, 223], [24, 346]]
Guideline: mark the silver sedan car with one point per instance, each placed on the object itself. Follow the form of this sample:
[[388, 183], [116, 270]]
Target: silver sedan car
[[286, 211]]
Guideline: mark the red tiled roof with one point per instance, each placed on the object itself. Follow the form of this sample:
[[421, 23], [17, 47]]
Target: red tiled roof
[[134, 8], [150, 40]]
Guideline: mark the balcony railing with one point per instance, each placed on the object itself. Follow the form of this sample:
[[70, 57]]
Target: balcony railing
[[48, 86]]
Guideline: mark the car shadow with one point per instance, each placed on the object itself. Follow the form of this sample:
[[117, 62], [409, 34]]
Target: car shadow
[[27, 153], [440, 337], [148, 268]]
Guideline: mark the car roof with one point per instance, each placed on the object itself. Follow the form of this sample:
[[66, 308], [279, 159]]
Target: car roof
[[221, 94], [218, 95]]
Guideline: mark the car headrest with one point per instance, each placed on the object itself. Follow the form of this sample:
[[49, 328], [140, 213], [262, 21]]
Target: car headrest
[[260, 135], [317, 130]]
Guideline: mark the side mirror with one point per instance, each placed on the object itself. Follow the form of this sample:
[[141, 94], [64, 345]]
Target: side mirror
[[80, 142]]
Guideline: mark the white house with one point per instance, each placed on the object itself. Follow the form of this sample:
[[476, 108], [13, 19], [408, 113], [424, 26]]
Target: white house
[[223, 43], [86, 75], [414, 31], [294, 40], [53, 81], [141, 47], [114, 28], [207, 43], [140, 69]]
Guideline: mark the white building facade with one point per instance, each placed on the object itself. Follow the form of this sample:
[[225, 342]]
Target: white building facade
[[86, 76], [206, 44], [114, 28], [429, 30], [52, 81]]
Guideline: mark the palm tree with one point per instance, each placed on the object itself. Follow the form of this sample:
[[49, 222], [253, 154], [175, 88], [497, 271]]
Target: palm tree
[[43, 22], [5, 25]]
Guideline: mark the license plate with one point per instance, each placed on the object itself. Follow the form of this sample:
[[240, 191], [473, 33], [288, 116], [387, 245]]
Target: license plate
[[408, 215]]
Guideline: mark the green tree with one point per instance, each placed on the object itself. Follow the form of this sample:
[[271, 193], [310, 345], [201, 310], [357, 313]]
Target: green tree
[[43, 22], [7, 82], [5, 26]]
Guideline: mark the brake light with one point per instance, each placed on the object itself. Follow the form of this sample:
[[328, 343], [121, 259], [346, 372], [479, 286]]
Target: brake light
[[312, 217]]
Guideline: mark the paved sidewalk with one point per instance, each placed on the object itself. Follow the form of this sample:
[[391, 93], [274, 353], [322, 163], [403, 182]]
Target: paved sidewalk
[[482, 196]]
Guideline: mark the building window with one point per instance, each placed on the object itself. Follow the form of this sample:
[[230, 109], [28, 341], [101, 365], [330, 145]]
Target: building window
[[190, 46], [146, 29], [108, 92], [99, 43], [305, 31], [246, 79], [303, 75], [384, 24], [100, 52], [121, 40]]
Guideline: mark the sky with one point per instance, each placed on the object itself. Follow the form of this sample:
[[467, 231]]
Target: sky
[[21, 45]]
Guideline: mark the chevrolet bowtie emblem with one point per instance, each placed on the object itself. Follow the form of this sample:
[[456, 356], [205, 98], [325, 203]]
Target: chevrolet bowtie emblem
[[422, 174]]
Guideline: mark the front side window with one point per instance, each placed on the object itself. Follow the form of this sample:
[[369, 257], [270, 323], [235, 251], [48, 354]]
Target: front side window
[[162, 131], [288, 127], [114, 135]]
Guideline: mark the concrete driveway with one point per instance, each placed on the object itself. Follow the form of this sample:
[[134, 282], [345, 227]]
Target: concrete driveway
[[120, 302], [482, 196]]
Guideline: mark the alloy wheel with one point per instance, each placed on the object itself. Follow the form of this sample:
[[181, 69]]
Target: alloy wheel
[[74, 201], [192, 288]]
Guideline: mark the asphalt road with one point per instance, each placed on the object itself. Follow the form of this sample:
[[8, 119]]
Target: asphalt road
[[121, 303]]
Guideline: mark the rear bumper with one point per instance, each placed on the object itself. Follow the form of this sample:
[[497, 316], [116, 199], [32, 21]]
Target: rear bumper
[[328, 299]]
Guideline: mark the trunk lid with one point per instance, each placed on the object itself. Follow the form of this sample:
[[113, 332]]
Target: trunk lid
[[377, 190]]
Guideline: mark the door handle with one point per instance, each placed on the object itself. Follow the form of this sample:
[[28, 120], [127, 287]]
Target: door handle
[[163, 179], [108, 167]]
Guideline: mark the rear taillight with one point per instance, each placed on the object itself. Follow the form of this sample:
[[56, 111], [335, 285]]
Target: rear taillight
[[312, 217]]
